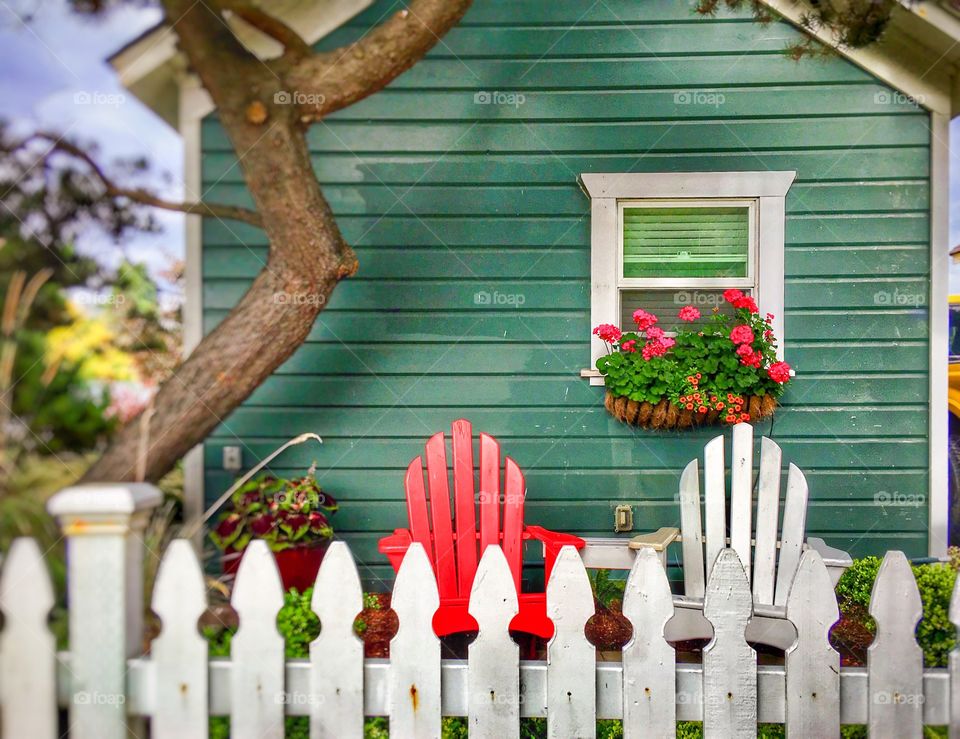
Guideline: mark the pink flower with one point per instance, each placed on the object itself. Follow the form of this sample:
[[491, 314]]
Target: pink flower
[[653, 349], [643, 319], [654, 332], [741, 335], [732, 295], [744, 350], [667, 342], [750, 358], [779, 372], [745, 301], [688, 313], [769, 317], [608, 332], [630, 347]]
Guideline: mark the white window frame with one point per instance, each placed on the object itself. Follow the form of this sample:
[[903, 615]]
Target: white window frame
[[765, 192]]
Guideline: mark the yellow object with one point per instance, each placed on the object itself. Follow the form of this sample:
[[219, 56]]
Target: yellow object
[[953, 370], [88, 342]]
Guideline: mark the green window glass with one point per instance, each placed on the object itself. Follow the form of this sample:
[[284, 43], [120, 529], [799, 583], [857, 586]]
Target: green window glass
[[685, 242]]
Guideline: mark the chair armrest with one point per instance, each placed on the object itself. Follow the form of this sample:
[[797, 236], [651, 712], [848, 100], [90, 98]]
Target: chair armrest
[[395, 545], [657, 540], [835, 559], [607, 553], [553, 539], [399, 541], [552, 542]]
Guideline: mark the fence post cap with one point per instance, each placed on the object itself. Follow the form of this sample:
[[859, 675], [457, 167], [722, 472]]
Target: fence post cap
[[104, 499]]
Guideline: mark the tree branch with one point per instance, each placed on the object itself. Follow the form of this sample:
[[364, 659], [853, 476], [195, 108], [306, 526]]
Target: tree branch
[[295, 48], [139, 195], [336, 79]]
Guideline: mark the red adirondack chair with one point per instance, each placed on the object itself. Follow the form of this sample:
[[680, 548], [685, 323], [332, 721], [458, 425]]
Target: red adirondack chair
[[454, 556]]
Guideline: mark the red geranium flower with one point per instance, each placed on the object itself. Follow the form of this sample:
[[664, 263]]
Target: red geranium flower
[[779, 372], [688, 313], [630, 347], [741, 335], [745, 301], [608, 332], [643, 319], [732, 295], [654, 349]]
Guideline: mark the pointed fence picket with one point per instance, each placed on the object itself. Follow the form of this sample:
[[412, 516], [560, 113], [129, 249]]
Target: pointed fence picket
[[179, 654], [28, 651], [493, 664], [649, 661], [414, 681], [257, 694], [177, 686], [571, 700], [729, 663], [812, 665], [895, 660], [336, 655]]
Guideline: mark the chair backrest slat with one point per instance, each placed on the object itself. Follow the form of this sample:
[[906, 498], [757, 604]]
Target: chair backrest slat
[[464, 505], [791, 534], [741, 494], [716, 501], [772, 548], [514, 491], [693, 581], [768, 514], [489, 492], [417, 506], [445, 559]]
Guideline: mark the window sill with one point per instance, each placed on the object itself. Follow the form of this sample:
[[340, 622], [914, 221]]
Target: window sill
[[593, 375]]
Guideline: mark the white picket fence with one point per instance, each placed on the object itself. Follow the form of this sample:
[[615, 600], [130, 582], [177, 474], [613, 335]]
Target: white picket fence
[[110, 689]]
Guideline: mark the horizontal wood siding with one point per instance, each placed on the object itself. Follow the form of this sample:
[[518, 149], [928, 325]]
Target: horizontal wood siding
[[446, 196]]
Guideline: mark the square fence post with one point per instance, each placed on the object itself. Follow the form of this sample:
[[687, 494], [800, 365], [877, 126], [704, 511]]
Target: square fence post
[[103, 524]]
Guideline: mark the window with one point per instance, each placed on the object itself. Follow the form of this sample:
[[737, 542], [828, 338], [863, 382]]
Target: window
[[661, 241]]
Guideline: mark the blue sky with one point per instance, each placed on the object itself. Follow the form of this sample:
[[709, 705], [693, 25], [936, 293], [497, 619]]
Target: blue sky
[[53, 74]]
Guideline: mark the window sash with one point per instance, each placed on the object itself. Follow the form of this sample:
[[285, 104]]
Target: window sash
[[748, 281]]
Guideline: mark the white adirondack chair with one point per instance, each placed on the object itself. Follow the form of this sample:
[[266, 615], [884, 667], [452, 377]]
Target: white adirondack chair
[[771, 561]]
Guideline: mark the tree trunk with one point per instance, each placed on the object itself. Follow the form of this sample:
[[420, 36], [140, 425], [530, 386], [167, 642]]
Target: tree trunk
[[308, 256]]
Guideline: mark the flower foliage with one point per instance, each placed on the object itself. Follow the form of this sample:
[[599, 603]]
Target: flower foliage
[[717, 368], [281, 512]]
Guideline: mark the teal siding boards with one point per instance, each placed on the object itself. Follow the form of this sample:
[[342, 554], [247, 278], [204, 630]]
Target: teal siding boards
[[447, 193]]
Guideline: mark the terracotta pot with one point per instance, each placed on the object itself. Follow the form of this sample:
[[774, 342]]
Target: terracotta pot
[[665, 416], [298, 565]]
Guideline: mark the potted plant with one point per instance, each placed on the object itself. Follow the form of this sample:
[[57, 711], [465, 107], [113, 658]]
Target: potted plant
[[725, 372], [290, 515]]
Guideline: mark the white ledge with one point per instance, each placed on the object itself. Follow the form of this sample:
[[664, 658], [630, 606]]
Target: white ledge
[[687, 184]]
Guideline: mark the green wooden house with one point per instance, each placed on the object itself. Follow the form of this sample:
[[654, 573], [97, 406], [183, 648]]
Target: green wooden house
[[488, 191]]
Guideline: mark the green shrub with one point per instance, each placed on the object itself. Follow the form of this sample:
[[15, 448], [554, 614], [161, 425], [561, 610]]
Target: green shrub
[[856, 583], [935, 634], [297, 624]]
